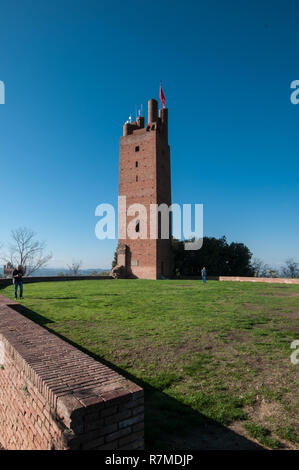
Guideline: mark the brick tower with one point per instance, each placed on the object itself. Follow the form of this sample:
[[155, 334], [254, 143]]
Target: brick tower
[[144, 178]]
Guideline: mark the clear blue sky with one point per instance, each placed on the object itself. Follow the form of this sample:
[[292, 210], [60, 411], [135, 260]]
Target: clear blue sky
[[74, 71]]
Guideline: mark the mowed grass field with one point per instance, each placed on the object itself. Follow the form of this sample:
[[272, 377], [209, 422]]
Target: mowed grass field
[[214, 359]]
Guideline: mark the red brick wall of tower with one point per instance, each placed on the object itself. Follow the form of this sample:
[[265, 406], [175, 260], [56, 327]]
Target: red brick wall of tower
[[144, 178]]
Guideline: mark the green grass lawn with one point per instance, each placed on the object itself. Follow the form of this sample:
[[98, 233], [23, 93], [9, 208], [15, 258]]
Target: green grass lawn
[[214, 360]]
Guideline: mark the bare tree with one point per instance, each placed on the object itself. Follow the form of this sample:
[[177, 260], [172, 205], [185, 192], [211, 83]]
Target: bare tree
[[74, 268], [291, 268], [272, 272], [259, 267], [27, 251]]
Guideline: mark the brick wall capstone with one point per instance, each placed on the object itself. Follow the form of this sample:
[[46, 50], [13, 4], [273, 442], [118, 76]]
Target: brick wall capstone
[[270, 280], [53, 396]]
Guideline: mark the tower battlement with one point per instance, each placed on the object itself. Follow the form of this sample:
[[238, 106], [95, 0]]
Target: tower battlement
[[154, 122]]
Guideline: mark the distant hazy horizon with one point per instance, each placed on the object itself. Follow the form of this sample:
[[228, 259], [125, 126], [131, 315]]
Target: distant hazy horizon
[[52, 271]]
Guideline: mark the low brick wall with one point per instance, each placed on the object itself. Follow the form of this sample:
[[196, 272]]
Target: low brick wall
[[244, 279], [274, 280], [7, 282], [53, 396]]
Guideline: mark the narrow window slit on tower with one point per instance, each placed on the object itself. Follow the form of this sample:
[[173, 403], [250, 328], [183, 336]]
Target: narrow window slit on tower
[[136, 178], [136, 164], [137, 226], [137, 148], [159, 225]]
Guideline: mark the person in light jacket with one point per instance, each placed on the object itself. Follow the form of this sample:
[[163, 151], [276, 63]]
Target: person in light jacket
[[204, 275]]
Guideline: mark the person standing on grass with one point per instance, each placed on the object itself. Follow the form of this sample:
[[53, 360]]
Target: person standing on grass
[[17, 276], [204, 275]]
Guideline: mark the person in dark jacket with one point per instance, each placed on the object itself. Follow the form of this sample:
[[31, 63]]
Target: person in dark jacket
[[18, 280]]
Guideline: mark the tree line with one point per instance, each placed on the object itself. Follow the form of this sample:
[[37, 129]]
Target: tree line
[[221, 258], [218, 257]]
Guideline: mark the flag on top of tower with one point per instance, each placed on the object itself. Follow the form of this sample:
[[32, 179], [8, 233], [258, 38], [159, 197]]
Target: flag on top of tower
[[162, 97]]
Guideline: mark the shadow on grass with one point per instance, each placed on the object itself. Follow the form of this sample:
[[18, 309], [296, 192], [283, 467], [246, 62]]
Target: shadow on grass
[[169, 424], [56, 298], [36, 317]]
